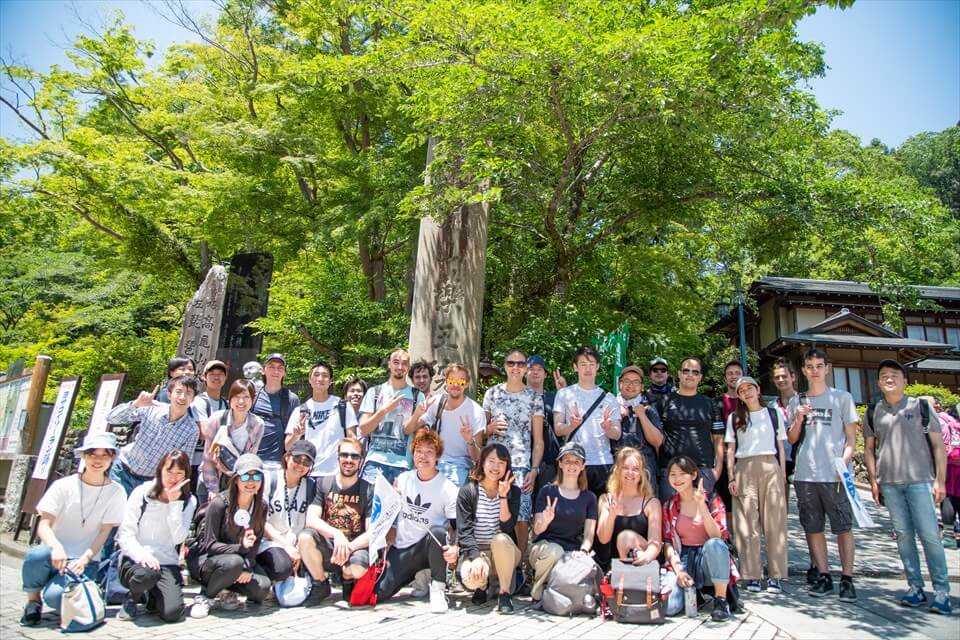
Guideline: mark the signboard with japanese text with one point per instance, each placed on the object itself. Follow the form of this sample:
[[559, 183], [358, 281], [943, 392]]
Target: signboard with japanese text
[[13, 412], [111, 386], [50, 447], [202, 318]]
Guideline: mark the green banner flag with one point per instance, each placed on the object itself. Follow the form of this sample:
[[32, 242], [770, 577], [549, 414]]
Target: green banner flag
[[613, 355]]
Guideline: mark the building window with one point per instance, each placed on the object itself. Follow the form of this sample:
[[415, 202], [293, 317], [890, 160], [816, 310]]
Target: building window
[[852, 380], [934, 334], [953, 337], [915, 332]]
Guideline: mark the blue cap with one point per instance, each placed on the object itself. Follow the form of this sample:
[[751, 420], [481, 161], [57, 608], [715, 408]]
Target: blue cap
[[532, 360]]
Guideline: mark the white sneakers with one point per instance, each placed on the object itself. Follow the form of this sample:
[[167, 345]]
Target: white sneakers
[[200, 607], [438, 600]]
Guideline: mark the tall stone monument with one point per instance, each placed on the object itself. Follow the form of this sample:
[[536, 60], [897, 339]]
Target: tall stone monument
[[202, 318], [448, 287]]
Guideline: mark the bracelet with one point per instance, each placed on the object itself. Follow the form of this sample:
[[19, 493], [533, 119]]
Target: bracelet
[[503, 497]]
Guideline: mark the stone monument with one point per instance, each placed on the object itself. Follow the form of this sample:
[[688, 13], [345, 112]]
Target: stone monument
[[202, 318], [449, 286]]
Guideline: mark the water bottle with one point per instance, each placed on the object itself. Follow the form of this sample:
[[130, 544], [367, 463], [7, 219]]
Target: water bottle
[[690, 601]]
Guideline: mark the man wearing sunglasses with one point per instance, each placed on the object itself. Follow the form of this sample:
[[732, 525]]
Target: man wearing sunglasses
[[692, 426], [461, 424], [335, 537], [661, 384]]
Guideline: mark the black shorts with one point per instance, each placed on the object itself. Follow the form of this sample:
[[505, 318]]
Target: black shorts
[[360, 557], [821, 500]]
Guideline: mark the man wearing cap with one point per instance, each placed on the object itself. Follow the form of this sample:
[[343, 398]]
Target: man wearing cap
[[536, 376], [335, 538], [204, 405], [906, 463], [661, 385], [692, 427], [274, 405], [639, 422]]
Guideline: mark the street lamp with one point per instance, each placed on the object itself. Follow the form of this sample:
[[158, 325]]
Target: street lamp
[[738, 299]]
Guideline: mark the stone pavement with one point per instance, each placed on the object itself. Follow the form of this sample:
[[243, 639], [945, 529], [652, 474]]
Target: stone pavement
[[767, 617]]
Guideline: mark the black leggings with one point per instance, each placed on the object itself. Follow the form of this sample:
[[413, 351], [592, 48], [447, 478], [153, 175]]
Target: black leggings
[[275, 563], [949, 510], [221, 572], [403, 564], [163, 586]]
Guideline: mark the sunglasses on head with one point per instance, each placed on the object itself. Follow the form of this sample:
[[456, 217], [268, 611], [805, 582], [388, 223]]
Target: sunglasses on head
[[690, 372], [349, 456], [256, 476]]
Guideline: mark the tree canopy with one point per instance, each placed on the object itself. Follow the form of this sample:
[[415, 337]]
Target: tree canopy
[[641, 160]]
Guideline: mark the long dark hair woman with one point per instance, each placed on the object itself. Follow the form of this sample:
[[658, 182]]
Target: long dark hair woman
[[226, 559], [157, 519], [487, 507]]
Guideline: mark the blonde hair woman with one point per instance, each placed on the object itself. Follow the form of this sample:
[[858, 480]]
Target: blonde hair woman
[[629, 512]]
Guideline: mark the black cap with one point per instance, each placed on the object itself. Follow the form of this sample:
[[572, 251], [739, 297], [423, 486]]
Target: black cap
[[304, 448], [891, 364]]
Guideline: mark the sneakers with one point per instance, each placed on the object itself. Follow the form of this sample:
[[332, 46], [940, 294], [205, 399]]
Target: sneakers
[[813, 576], [847, 592], [505, 604], [32, 612], [753, 586], [421, 584], [347, 586], [941, 603], [229, 601], [913, 598], [128, 610], [774, 586], [479, 597], [438, 600], [200, 607], [823, 587], [721, 610], [522, 585]]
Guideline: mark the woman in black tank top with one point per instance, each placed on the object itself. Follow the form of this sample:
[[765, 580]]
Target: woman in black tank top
[[629, 513]]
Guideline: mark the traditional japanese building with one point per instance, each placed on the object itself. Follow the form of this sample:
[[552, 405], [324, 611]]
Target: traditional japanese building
[[846, 319]]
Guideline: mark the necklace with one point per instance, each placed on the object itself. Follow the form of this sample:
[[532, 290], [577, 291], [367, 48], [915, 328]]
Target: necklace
[[286, 500], [83, 518]]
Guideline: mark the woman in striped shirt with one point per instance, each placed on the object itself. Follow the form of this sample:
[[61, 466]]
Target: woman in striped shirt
[[487, 509]]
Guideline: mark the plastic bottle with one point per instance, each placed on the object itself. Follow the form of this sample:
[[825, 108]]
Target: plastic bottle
[[690, 601]]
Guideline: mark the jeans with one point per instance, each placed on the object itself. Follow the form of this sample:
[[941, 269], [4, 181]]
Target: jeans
[[39, 575], [455, 473], [373, 469], [713, 560], [914, 514]]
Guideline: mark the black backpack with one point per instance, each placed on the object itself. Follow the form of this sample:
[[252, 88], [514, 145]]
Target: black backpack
[[924, 421]]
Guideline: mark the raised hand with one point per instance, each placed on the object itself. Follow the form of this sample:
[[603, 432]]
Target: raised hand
[[466, 429], [575, 417], [615, 503], [607, 418], [699, 495], [301, 427], [498, 426], [549, 511], [393, 402], [249, 538], [146, 399], [173, 493], [503, 486], [558, 380]]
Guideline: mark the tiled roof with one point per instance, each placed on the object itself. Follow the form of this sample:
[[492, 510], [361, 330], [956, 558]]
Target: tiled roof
[[847, 287]]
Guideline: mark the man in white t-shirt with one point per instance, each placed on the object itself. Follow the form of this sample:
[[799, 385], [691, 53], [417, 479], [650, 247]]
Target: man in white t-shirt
[[426, 526], [461, 424], [823, 427], [593, 430], [322, 420]]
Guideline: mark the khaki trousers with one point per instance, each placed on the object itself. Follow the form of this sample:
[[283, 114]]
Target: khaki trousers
[[501, 561], [760, 506]]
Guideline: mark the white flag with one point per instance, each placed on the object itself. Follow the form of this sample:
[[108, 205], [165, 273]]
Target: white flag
[[383, 513], [859, 510]]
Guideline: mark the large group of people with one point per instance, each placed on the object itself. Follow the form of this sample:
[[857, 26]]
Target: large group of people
[[249, 488]]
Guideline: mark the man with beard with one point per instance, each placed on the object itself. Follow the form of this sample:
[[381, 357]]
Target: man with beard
[[386, 418], [421, 374], [335, 537], [639, 421]]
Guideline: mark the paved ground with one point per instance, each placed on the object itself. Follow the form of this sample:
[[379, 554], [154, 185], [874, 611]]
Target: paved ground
[[768, 617]]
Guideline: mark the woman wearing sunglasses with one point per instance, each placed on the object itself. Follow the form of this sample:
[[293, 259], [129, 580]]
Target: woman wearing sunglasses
[[225, 560], [287, 512]]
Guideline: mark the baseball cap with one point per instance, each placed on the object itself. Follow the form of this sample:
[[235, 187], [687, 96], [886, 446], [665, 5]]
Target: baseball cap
[[102, 440], [246, 463], [891, 364], [659, 360], [631, 369], [214, 364], [304, 448], [572, 449], [746, 380], [276, 356], [537, 359]]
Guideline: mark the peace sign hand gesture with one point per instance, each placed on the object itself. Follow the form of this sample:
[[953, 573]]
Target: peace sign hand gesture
[[615, 503], [558, 380], [503, 486], [146, 399], [699, 495], [466, 429], [549, 511], [607, 418], [575, 417]]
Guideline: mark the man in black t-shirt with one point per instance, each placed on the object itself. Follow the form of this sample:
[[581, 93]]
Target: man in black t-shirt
[[692, 426], [335, 537], [274, 404]]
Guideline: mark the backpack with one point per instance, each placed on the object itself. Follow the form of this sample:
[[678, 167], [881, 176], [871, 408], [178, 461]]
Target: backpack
[[113, 590], [551, 443], [341, 411], [633, 593], [774, 416], [924, 421], [198, 531], [573, 586]]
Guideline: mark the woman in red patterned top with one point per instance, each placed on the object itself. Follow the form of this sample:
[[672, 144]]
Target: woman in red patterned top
[[694, 534]]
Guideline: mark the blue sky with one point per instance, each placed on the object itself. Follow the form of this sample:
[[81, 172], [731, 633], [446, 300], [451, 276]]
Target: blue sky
[[894, 65]]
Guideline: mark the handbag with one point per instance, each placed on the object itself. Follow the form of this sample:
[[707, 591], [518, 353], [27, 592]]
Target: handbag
[[82, 607], [634, 594], [365, 590], [222, 447]]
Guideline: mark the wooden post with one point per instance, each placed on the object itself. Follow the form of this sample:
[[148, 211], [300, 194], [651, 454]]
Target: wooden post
[[38, 383]]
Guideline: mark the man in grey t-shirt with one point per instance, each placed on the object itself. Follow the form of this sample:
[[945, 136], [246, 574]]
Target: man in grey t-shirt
[[823, 423], [906, 463]]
